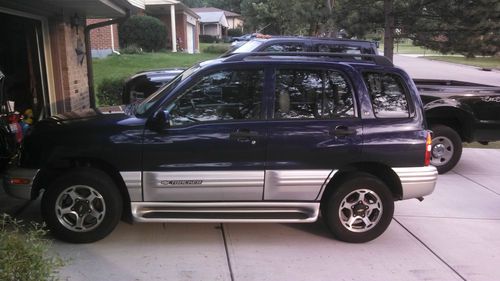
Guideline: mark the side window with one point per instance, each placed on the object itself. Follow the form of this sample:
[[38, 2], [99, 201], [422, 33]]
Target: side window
[[388, 95], [223, 95], [285, 47], [336, 48], [312, 94]]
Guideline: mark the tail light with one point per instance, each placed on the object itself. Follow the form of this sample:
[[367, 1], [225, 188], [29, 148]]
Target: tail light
[[428, 148]]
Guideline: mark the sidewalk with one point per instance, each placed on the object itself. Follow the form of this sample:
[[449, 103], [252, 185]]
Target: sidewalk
[[452, 235]]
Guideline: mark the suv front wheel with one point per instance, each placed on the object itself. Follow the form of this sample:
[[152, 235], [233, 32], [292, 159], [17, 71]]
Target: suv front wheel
[[82, 206], [360, 209]]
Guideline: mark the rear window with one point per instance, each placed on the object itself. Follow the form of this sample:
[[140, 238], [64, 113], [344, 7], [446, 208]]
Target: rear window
[[388, 95]]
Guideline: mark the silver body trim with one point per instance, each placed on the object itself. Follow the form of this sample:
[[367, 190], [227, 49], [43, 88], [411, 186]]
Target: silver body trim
[[417, 181], [251, 212], [300, 185], [203, 186], [21, 191], [133, 182]]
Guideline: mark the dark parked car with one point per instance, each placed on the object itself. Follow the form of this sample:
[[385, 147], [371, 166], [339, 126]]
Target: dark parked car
[[247, 138], [306, 44], [459, 112], [143, 84]]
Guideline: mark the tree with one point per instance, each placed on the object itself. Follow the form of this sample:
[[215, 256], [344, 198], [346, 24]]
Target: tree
[[290, 17], [456, 26]]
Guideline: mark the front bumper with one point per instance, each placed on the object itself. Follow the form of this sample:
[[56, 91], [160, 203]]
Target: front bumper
[[417, 181], [18, 182]]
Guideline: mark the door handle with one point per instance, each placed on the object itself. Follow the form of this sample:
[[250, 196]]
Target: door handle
[[342, 131], [244, 135]]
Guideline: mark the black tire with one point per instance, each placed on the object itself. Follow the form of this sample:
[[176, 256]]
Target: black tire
[[446, 148], [68, 194], [337, 211]]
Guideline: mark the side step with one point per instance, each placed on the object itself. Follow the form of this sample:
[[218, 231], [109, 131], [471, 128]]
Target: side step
[[289, 212]]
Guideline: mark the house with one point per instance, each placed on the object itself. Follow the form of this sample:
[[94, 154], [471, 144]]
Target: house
[[182, 29], [183, 25], [45, 51], [233, 20]]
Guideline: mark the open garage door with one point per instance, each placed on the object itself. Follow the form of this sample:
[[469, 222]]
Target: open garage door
[[23, 63]]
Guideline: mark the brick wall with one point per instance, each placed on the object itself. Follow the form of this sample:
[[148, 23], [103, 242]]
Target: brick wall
[[70, 69], [100, 38]]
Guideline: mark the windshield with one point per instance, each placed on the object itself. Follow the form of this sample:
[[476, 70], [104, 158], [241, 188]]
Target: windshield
[[248, 47], [147, 103]]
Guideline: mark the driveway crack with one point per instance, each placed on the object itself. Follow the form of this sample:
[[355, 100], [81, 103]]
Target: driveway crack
[[223, 232], [430, 250]]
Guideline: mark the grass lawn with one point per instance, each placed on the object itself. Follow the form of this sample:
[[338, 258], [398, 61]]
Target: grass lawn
[[485, 62], [123, 65], [408, 48]]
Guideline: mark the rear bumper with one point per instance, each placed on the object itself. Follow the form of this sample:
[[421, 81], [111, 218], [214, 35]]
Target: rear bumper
[[417, 181], [18, 182]]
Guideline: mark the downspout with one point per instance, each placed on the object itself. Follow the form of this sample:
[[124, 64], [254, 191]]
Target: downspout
[[88, 52], [113, 41]]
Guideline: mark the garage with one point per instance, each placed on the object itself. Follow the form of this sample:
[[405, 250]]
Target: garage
[[23, 63]]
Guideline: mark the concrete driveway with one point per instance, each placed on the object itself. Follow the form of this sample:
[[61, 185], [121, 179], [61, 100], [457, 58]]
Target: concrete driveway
[[452, 235]]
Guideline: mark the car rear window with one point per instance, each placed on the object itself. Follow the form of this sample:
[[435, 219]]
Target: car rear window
[[388, 95]]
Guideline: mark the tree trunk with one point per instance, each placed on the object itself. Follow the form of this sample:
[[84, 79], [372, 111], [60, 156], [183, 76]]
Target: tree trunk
[[389, 29]]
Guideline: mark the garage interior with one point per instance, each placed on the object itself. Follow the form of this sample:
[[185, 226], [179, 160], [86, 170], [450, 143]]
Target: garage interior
[[23, 64]]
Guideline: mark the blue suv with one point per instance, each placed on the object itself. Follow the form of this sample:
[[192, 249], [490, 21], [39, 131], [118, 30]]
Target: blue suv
[[253, 137]]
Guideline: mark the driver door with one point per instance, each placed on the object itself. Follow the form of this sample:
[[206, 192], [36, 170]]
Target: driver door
[[214, 146]]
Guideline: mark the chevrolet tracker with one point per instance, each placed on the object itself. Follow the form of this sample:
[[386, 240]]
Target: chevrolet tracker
[[254, 137]]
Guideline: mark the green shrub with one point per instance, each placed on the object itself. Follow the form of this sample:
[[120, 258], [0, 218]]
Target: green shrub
[[109, 91], [24, 252], [207, 38], [131, 49], [146, 32], [234, 32], [215, 49]]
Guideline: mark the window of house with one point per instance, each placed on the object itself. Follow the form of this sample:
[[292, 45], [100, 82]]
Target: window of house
[[223, 95], [312, 94], [388, 95]]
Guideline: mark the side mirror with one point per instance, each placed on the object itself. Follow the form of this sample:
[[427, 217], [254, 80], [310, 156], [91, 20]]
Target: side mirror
[[159, 121]]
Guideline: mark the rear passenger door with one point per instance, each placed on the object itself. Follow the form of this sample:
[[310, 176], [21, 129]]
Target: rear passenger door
[[314, 129]]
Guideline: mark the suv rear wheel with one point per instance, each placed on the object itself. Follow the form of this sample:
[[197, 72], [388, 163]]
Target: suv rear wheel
[[360, 209], [82, 206]]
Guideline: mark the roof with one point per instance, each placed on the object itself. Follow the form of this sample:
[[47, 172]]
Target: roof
[[213, 17], [228, 14]]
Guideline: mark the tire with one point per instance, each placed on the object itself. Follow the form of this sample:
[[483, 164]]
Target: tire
[[82, 206], [365, 200], [446, 148]]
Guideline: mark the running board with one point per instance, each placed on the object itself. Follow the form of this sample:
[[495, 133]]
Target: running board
[[286, 212]]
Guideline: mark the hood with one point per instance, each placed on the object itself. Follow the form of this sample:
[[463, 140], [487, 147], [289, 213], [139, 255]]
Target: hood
[[87, 113]]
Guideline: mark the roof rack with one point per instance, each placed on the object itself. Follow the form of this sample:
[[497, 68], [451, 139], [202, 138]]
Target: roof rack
[[375, 59]]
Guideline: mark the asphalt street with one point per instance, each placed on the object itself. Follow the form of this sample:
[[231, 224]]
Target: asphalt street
[[424, 68]]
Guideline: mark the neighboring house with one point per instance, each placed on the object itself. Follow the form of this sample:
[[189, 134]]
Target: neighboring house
[[44, 51], [104, 40], [182, 31], [213, 21], [234, 20], [184, 25]]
